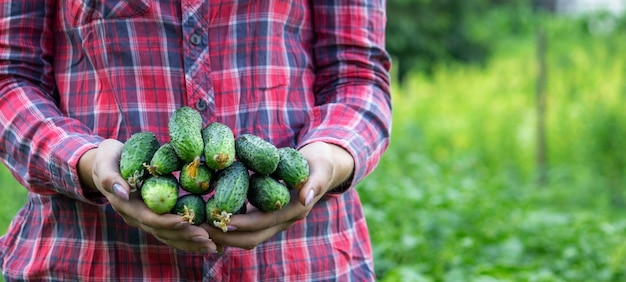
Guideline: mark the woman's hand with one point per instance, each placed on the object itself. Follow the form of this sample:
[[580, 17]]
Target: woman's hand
[[330, 165], [99, 170]]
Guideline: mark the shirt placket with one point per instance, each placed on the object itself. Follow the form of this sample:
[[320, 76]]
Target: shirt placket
[[199, 92]]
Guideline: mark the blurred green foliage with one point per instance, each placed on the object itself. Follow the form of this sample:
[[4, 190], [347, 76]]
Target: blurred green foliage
[[455, 196], [422, 34], [13, 197]]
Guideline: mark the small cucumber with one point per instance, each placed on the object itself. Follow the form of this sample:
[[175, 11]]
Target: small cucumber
[[219, 145], [200, 184], [267, 193], [164, 161], [137, 151], [185, 131], [160, 193], [192, 208], [257, 154], [292, 168], [231, 188]]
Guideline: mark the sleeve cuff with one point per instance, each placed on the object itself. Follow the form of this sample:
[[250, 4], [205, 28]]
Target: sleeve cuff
[[64, 171], [346, 139]]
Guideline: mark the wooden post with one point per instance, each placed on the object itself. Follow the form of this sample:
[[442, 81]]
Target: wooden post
[[540, 100]]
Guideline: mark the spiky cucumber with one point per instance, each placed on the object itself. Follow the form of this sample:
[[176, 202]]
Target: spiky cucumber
[[137, 151], [292, 168], [185, 130], [267, 193], [231, 188], [164, 161], [219, 145], [215, 216], [200, 184], [192, 208], [256, 153]]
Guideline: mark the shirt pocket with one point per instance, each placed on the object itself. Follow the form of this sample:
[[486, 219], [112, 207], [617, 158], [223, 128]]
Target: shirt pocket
[[270, 103], [290, 13], [81, 12]]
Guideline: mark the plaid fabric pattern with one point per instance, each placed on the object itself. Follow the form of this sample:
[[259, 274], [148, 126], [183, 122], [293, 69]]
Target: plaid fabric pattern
[[75, 72]]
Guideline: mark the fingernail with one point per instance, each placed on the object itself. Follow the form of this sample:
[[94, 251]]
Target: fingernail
[[231, 228], [181, 225], [201, 239], [119, 191], [309, 197]]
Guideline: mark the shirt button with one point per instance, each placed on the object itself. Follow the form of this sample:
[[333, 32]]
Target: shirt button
[[201, 105], [195, 39]]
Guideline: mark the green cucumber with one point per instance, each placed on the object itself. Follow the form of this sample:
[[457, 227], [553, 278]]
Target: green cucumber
[[192, 208], [231, 188], [164, 161], [185, 131], [219, 145], [160, 193], [267, 193], [257, 154], [200, 184], [137, 151], [292, 168]]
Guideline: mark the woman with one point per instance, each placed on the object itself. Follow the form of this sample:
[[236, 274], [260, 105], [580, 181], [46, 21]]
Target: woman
[[78, 78]]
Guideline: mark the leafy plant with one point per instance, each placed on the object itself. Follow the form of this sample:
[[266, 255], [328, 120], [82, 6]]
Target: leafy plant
[[454, 198]]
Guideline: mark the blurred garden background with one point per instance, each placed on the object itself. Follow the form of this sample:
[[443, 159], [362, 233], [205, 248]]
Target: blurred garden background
[[508, 152]]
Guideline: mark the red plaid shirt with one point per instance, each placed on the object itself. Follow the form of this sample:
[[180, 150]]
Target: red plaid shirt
[[75, 72]]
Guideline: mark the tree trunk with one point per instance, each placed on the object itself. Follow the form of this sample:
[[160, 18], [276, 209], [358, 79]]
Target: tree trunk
[[540, 98]]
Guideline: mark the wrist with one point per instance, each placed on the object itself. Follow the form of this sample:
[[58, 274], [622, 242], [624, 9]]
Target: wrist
[[337, 162], [343, 164], [85, 170]]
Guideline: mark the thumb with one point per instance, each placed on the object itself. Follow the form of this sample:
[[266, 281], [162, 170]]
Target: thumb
[[106, 169], [320, 175]]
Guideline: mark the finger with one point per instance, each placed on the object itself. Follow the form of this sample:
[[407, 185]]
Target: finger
[[256, 220], [106, 170], [136, 213], [320, 174], [189, 238], [186, 233], [244, 239], [205, 246], [170, 229]]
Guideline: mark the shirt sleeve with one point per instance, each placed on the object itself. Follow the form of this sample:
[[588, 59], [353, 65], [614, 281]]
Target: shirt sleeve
[[352, 88], [38, 143]]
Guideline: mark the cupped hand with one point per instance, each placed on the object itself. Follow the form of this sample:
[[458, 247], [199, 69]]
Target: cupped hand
[[329, 165], [99, 169]]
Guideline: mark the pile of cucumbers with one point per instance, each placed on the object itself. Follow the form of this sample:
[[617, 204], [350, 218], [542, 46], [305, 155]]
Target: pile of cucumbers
[[210, 163]]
